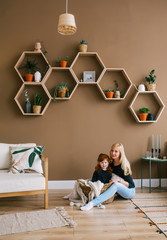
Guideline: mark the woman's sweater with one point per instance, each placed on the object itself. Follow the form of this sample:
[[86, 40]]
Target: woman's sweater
[[120, 172]]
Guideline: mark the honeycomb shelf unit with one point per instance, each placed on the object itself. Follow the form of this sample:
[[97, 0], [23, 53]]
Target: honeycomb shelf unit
[[106, 81], [55, 76], [87, 61], [33, 87], [150, 100], [38, 57]]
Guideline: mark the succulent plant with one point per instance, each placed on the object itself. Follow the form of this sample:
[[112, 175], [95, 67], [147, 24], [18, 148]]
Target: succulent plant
[[61, 59], [31, 66], [38, 100], [117, 85], [83, 42], [60, 87], [109, 90], [151, 77], [144, 110]]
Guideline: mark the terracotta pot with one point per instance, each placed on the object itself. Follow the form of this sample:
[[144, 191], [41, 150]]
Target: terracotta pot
[[109, 94], [37, 109], [83, 48], [61, 94], [143, 116], [63, 64], [29, 77], [151, 86]]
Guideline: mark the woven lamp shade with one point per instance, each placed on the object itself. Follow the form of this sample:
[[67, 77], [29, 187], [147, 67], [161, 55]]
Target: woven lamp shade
[[66, 24]]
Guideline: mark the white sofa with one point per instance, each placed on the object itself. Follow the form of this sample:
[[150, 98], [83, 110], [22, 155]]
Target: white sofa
[[25, 183]]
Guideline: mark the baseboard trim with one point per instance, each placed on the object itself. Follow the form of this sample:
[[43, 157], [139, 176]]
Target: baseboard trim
[[69, 184], [65, 184]]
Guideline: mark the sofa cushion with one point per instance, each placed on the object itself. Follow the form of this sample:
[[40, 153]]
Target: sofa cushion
[[26, 159], [10, 182], [5, 155]]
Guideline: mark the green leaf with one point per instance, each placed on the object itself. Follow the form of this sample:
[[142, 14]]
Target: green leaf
[[40, 148], [23, 150], [31, 159], [37, 152]]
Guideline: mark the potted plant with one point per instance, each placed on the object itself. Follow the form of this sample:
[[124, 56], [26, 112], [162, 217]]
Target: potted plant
[[61, 90], [83, 47], [150, 81], [109, 93], [31, 67], [37, 104], [117, 91], [62, 62], [143, 112]]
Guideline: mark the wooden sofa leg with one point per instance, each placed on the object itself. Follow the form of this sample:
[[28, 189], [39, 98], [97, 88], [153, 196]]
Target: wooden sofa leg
[[46, 199]]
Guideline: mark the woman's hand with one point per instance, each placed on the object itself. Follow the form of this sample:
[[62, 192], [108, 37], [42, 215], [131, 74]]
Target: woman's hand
[[115, 180], [126, 184]]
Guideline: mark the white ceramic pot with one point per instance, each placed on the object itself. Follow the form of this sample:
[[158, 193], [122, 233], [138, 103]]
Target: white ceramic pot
[[141, 88], [117, 94], [37, 76]]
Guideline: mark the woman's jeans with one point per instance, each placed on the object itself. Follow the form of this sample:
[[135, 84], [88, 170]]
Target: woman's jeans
[[116, 187]]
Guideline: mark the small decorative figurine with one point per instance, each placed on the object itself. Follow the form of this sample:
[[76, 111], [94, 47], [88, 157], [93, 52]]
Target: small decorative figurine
[[37, 76]]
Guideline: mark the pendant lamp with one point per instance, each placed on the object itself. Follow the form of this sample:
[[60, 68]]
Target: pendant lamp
[[66, 24]]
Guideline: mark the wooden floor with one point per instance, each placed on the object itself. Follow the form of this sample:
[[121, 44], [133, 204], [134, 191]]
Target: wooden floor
[[119, 221]]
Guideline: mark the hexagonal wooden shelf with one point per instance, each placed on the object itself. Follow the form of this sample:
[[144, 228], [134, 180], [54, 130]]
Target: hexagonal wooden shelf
[[32, 90], [55, 76], [38, 57], [106, 81], [52, 76], [150, 100], [87, 61]]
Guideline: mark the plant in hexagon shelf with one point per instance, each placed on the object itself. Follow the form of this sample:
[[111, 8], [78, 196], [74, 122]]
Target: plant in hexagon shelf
[[143, 112], [83, 47], [117, 91], [109, 93], [150, 81], [61, 90], [31, 67], [62, 62], [37, 104]]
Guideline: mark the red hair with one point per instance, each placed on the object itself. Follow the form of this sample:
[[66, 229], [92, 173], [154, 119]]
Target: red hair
[[101, 158]]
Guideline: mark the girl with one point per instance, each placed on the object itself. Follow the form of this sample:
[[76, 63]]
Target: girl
[[102, 170], [123, 184]]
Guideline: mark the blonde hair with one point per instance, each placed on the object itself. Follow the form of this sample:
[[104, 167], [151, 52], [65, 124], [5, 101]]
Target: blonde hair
[[125, 165]]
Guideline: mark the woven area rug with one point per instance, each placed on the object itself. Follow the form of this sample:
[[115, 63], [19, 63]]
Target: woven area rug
[[35, 220], [154, 206]]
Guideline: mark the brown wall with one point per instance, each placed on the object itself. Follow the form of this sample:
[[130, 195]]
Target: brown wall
[[125, 33]]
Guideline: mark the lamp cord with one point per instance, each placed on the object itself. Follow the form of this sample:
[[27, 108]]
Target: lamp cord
[[66, 5]]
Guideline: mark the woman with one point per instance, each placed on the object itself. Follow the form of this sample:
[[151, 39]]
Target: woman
[[122, 184]]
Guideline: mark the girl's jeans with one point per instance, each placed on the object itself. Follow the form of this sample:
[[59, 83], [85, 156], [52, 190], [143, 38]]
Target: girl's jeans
[[116, 187]]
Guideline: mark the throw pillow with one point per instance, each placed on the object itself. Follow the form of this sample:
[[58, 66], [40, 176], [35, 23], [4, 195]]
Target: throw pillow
[[6, 158], [26, 160]]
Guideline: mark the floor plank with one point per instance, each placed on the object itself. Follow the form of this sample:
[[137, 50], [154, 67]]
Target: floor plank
[[119, 221]]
